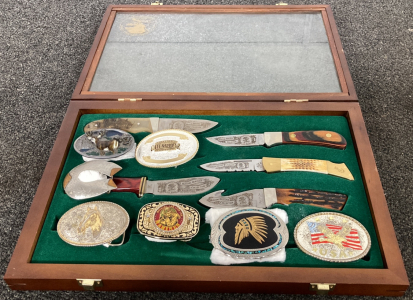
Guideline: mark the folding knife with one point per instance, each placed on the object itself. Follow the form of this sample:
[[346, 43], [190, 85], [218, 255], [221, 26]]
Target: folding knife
[[271, 165], [265, 198], [317, 138]]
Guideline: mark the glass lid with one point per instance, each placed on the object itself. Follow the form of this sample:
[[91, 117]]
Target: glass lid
[[217, 53]]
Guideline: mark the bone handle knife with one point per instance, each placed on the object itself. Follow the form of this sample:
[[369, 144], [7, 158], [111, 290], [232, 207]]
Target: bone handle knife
[[272, 165], [317, 138]]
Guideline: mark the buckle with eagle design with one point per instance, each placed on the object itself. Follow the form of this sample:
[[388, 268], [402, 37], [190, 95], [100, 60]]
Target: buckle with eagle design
[[249, 233], [93, 223], [168, 221], [332, 237]]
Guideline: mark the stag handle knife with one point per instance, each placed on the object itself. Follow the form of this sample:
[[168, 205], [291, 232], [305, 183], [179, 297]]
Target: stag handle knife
[[135, 125], [265, 198], [272, 165], [317, 138]]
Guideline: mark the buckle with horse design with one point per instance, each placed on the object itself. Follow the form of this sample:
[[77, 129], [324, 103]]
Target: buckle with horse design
[[93, 223]]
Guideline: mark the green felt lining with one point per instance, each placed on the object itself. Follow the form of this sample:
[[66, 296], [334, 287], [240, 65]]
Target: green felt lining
[[137, 250]]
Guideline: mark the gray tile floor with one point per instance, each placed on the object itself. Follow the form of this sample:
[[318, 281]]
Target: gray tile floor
[[44, 44]]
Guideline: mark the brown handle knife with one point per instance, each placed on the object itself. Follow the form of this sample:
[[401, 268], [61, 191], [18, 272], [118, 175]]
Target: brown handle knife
[[313, 137], [265, 198]]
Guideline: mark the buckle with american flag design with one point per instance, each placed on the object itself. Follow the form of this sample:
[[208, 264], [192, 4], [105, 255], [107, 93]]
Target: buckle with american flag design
[[168, 221], [332, 237]]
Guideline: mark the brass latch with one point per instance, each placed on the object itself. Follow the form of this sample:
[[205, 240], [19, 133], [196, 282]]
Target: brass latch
[[296, 100], [282, 3], [90, 284], [156, 3], [322, 288], [130, 99]]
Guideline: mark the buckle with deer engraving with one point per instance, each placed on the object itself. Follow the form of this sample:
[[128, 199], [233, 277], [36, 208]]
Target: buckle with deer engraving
[[93, 224], [104, 143]]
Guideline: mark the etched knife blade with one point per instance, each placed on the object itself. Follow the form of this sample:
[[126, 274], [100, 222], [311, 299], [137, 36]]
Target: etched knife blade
[[265, 198], [271, 165], [317, 138], [135, 125]]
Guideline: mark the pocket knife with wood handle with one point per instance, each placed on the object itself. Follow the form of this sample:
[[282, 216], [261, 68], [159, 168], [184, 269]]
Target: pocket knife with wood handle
[[317, 138]]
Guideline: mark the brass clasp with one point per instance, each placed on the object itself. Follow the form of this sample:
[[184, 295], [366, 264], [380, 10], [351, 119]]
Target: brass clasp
[[322, 288]]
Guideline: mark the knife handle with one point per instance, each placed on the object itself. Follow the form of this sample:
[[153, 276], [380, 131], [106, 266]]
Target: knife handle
[[317, 138], [309, 197], [133, 125], [132, 185], [272, 165]]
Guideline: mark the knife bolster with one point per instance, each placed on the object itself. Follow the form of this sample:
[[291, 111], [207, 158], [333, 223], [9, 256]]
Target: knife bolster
[[270, 197], [273, 138], [339, 170], [271, 165]]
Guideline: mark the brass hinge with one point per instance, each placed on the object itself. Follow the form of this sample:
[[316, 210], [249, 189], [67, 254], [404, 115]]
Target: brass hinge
[[296, 100], [130, 99], [322, 288], [156, 3], [282, 3], [90, 284]]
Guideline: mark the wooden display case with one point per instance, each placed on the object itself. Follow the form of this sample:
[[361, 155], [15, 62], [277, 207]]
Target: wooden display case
[[391, 280]]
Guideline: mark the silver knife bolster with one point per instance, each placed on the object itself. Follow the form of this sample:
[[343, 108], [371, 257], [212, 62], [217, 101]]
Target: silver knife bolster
[[270, 196], [154, 124], [273, 138], [149, 187]]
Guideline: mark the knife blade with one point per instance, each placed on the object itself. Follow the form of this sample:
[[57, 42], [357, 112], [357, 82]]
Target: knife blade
[[271, 165], [178, 187], [265, 198], [95, 178], [317, 138], [135, 125]]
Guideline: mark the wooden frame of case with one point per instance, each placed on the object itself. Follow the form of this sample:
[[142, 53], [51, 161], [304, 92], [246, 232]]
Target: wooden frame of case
[[348, 93], [390, 281]]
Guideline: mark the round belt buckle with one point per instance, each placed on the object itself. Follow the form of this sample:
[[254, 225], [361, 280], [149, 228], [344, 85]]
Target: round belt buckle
[[332, 237]]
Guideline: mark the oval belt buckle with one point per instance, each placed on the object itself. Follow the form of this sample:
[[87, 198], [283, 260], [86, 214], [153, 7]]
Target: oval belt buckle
[[168, 221], [166, 148], [104, 143], [332, 237], [93, 223], [249, 233]]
